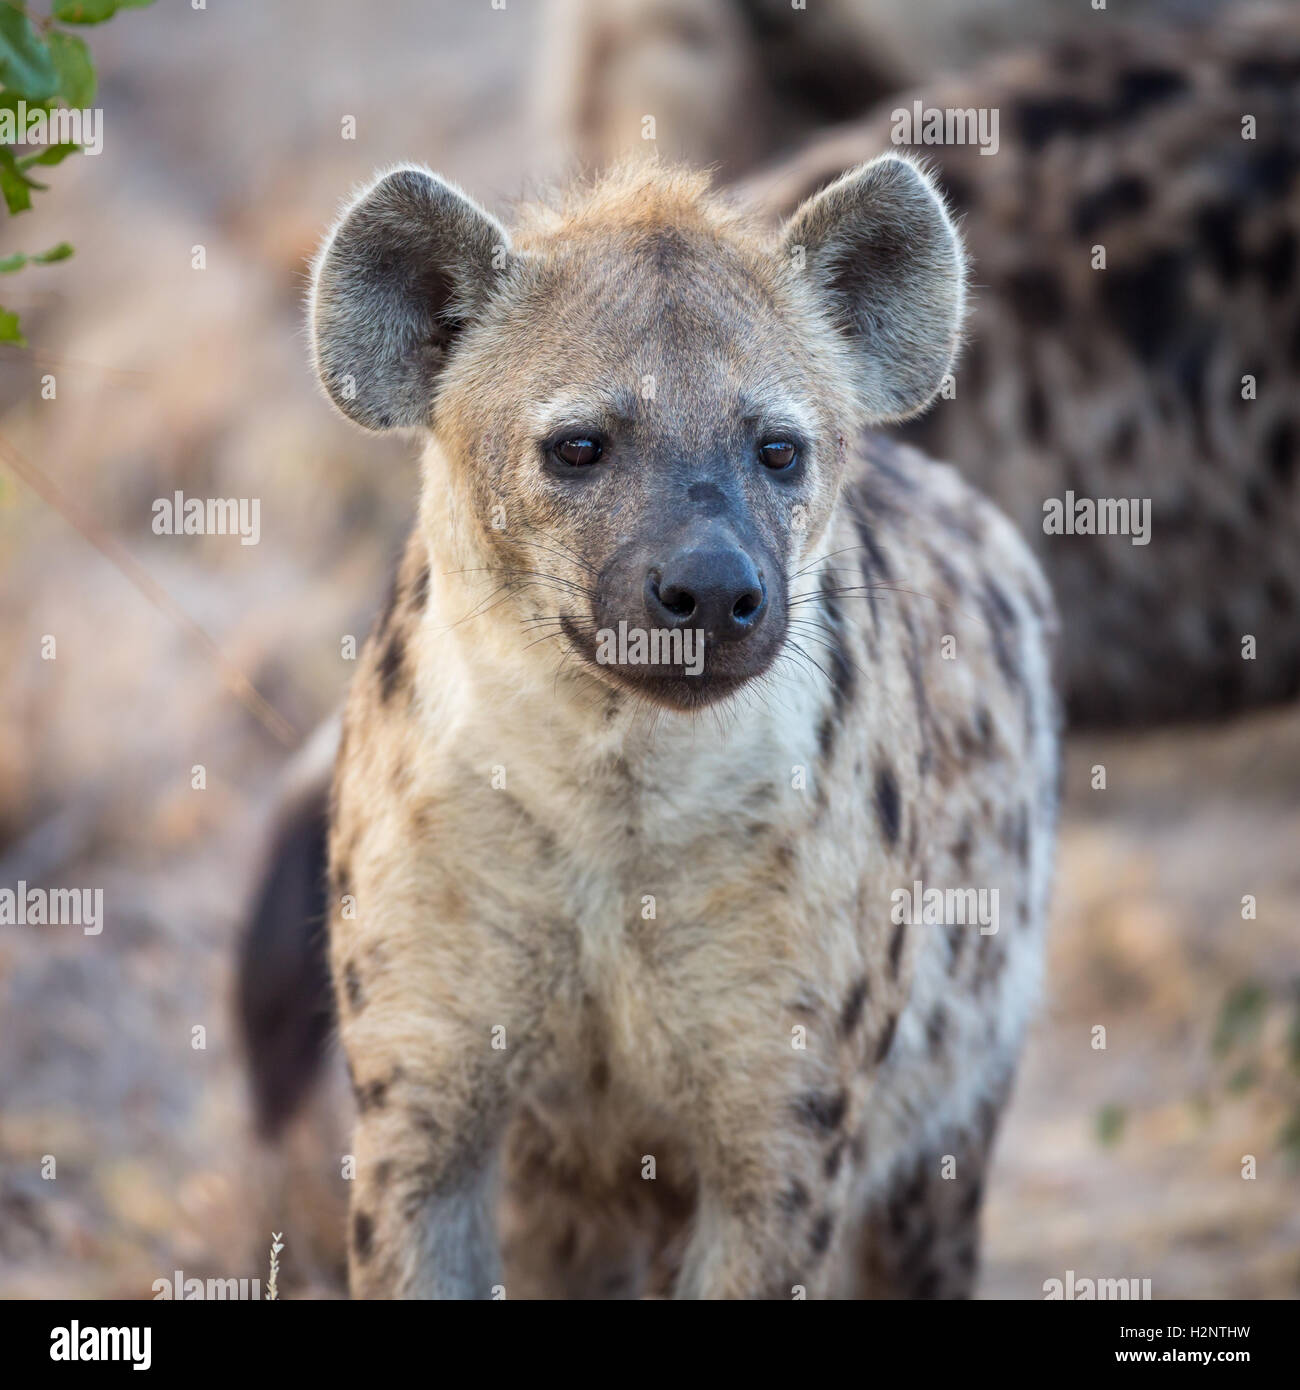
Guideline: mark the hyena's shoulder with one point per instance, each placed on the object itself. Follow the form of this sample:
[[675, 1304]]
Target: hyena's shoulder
[[952, 570], [949, 631]]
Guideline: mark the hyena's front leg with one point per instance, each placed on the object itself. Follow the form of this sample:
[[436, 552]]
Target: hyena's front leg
[[774, 1168], [431, 1095], [422, 1218]]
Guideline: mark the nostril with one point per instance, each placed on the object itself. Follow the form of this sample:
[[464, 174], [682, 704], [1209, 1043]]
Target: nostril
[[673, 598], [747, 605], [678, 602]]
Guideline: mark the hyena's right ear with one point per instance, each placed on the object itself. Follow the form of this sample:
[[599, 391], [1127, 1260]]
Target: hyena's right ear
[[411, 261]]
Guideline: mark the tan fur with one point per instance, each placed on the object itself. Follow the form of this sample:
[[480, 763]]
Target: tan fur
[[676, 924]]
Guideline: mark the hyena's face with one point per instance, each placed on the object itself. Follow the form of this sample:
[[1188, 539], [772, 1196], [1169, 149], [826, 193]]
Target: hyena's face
[[644, 412]]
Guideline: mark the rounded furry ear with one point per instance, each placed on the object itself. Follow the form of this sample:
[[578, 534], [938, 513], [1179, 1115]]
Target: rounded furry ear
[[408, 264], [889, 267]]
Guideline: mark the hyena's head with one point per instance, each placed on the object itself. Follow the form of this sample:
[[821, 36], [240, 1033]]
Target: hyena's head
[[640, 407]]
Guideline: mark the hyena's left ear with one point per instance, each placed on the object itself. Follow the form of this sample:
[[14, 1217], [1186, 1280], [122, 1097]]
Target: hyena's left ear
[[411, 261], [888, 264]]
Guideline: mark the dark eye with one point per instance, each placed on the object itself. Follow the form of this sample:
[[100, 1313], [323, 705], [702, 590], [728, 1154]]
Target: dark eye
[[578, 453], [778, 454]]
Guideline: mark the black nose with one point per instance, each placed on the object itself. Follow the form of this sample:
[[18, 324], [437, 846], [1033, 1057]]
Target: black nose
[[717, 589]]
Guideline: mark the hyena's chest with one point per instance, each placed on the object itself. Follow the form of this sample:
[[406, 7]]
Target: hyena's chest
[[672, 909]]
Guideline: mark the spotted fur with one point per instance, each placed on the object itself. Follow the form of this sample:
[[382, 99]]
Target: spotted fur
[[1129, 381], [575, 931]]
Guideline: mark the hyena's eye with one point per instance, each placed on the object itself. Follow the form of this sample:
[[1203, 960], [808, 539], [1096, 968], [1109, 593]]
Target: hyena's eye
[[778, 454], [578, 453]]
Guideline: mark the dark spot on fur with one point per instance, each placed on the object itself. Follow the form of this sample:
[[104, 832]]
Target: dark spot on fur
[[851, 1014], [826, 737], [896, 948], [936, 1030], [1120, 197], [420, 588], [1044, 119], [352, 985], [1273, 170], [1147, 301], [1123, 445], [961, 851], [1036, 413], [1276, 262], [1280, 70], [566, 1247], [842, 674], [821, 1111], [384, 1173], [887, 807], [1001, 619], [886, 1039], [1216, 230], [363, 1235], [956, 946], [820, 1238], [1143, 86], [834, 1158], [372, 1096], [1280, 448], [391, 663], [342, 881], [1036, 296], [795, 1197]]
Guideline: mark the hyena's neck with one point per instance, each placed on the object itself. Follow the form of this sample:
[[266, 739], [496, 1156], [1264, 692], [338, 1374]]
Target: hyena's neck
[[494, 690]]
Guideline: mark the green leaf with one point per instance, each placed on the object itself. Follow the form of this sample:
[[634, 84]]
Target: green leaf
[[1110, 1123], [84, 11], [15, 186], [76, 71], [54, 154], [9, 102], [93, 11], [61, 252], [10, 330], [25, 63], [1240, 1018]]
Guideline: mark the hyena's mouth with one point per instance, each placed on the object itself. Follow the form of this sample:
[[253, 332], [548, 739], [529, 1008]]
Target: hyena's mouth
[[680, 668]]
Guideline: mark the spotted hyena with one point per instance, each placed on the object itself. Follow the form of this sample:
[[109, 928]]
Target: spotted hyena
[[648, 978]]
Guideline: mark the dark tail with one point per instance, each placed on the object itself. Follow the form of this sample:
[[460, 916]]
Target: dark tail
[[284, 1005]]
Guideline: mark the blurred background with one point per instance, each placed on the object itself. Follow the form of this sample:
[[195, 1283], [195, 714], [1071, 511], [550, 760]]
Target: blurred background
[[227, 128]]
